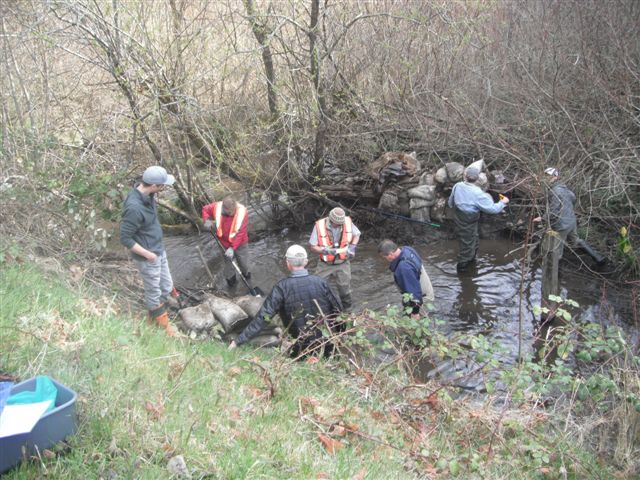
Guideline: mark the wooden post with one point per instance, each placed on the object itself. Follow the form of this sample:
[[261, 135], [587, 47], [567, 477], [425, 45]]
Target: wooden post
[[551, 249]]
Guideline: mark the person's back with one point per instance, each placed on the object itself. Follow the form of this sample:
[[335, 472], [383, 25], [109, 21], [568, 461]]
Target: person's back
[[561, 208]]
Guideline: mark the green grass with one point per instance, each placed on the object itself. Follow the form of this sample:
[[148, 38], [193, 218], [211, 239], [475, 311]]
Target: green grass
[[144, 397]]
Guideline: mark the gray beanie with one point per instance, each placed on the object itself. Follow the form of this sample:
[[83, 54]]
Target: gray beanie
[[471, 174]]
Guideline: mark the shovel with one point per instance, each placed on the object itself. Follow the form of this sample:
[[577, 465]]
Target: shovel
[[255, 291]]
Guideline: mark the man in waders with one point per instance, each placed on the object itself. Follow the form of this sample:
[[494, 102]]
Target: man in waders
[[409, 275], [562, 217], [335, 238], [303, 301], [468, 200], [229, 219], [141, 233]]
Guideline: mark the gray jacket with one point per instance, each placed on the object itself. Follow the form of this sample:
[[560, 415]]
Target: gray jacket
[[140, 223], [561, 214]]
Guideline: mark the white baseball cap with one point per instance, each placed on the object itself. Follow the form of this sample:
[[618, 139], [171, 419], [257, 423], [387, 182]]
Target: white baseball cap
[[296, 251]]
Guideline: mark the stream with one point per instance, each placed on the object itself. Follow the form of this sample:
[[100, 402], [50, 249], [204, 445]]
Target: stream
[[485, 301]]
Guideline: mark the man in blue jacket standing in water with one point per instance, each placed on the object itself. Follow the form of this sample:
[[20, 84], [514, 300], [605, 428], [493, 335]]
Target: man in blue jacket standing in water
[[469, 200], [408, 273]]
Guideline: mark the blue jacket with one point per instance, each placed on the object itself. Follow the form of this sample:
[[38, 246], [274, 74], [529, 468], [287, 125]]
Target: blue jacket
[[406, 273], [471, 199]]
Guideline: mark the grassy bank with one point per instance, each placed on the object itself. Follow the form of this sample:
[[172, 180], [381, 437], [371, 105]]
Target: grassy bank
[[144, 398]]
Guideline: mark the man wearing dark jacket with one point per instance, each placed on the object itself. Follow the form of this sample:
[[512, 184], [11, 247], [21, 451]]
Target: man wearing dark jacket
[[562, 217], [408, 273], [141, 233], [300, 300]]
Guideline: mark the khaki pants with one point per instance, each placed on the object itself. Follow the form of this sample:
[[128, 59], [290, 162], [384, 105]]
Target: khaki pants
[[425, 285]]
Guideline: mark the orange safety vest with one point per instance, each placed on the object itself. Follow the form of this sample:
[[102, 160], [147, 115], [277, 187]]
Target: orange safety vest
[[238, 218], [325, 240]]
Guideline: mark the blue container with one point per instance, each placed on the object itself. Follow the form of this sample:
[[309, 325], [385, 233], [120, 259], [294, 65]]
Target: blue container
[[52, 427]]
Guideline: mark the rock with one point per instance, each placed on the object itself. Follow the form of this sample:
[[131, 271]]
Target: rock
[[419, 203], [198, 318], [424, 192], [427, 179], [479, 164], [231, 316], [250, 304], [438, 210], [178, 467], [441, 176], [483, 181], [454, 171]]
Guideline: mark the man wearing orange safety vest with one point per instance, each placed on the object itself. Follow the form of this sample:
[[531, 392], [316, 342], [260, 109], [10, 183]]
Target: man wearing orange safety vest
[[229, 220], [335, 238]]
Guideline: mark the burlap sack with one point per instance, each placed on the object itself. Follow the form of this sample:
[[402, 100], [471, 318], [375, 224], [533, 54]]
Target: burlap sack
[[231, 316], [250, 304], [198, 318]]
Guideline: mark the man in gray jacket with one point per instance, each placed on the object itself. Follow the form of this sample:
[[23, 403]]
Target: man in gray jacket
[[562, 217], [141, 233]]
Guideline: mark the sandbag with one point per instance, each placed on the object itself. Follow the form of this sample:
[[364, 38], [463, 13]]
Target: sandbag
[[425, 192], [417, 203], [231, 316], [388, 201], [249, 304], [454, 171], [483, 182], [441, 176], [438, 209], [427, 179], [198, 318], [479, 164], [421, 214]]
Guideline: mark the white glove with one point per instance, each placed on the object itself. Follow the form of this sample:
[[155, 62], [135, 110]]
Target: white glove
[[229, 253], [328, 251], [209, 224]]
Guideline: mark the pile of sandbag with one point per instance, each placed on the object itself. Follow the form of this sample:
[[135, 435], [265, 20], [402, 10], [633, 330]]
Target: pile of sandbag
[[429, 199], [230, 316]]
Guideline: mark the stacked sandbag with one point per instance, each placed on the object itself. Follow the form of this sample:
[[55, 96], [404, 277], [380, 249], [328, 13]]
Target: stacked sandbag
[[199, 318], [270, 334], [421, 199], [228, 314]]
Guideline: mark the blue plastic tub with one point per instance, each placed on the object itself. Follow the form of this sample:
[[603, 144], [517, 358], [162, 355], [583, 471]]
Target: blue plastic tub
[[53, 427]]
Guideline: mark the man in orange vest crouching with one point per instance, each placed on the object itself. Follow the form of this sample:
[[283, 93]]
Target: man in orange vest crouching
[[335, 238], [229, 219]]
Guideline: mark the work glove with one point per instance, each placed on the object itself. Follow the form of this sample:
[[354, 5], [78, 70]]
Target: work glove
[[351, 251], [229, 253], [209, 224], [328, 251]]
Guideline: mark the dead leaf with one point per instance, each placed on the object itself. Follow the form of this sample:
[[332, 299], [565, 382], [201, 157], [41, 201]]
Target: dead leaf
[[235, 414], [360, 475], [322, 475], [48, 454], [312, 360], [155, 410], [233, 371], [331, 445]]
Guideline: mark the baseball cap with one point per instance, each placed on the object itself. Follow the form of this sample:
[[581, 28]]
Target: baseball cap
[[472, 174], [157, 175], [296, 251]]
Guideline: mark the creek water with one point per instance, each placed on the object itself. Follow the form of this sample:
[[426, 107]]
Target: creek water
[[492, 299]]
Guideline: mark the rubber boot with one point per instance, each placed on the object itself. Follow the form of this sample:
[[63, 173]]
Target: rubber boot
[[161, 317], [597, 257], [231, 282], [346, 301]]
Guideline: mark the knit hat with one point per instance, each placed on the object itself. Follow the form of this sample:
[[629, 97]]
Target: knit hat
[[471, 174], [552, 172], [157, 175], [337, 216], [296, 251]]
